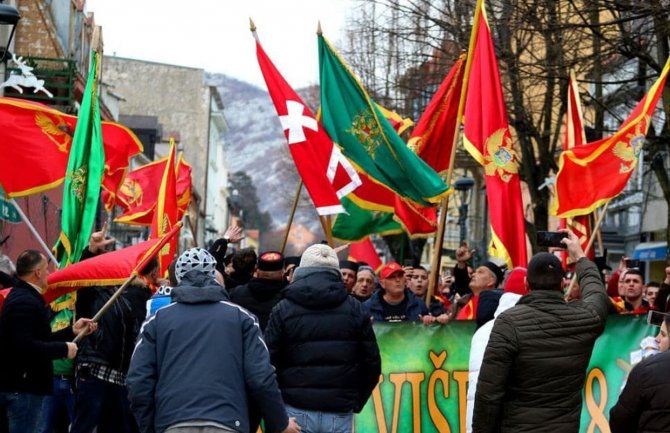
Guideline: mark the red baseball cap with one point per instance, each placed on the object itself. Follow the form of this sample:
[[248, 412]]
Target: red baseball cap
[[390, 269]]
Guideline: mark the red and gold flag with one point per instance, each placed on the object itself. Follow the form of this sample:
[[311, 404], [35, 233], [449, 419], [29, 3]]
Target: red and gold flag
[[139, 192], [108, 269], [487, 137], [37, 136], [576, 136], [433, 137], [166, 212], [364, 251], [592, 174]]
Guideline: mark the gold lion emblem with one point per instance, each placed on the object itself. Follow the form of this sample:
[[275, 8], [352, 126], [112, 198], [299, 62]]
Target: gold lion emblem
[[78, 182], [57, 131], [499, 158], [366, 130], [629, 149]]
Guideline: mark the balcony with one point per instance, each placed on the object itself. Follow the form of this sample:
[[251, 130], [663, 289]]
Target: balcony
[[59, 77]]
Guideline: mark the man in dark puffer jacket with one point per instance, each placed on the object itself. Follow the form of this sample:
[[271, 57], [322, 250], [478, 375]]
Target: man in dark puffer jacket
[[534, 365], [323, 346], [644, 404]]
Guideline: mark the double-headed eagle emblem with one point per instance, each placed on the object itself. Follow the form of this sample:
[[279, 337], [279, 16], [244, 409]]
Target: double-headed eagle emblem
[[629, 149], [57, 131], [499, 158]]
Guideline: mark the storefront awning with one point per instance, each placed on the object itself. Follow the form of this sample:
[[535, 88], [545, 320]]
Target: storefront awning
[[651, 251]]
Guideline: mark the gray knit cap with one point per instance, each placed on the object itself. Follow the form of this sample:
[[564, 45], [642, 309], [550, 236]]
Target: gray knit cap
[[195, 259]]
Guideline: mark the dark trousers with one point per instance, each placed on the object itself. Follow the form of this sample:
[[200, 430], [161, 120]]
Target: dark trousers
[[103, 405]]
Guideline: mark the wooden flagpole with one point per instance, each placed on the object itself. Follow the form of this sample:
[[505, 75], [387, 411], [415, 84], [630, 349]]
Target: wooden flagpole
[[290, 218]]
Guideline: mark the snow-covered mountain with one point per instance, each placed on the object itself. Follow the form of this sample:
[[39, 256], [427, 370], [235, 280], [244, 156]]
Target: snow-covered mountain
[[255, 143]]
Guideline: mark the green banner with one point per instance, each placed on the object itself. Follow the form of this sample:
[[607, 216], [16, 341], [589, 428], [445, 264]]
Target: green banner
[[425, 376]]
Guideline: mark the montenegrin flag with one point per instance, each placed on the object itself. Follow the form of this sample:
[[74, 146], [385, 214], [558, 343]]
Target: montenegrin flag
[[591, 175], [37, 136], [108, 269], [487, 137], [166, 212], [138, 194], [364, 251], [433, 137], [367, 138], [316, 158], [576, 136]]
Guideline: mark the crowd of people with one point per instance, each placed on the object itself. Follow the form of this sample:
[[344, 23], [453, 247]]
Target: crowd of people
[[230, 340]]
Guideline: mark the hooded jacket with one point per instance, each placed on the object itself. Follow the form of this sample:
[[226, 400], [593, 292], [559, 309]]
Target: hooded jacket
[[198, 359], [415, 306], [322, 344]]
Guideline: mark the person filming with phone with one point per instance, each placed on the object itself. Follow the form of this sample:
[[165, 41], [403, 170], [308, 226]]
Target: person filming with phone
[[542, 340]]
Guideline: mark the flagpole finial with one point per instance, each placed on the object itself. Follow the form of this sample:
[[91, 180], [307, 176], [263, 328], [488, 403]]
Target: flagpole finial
[[252, 26], [318, 29]]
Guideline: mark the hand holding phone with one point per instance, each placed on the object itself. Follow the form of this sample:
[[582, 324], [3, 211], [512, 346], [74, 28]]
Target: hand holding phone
[[632, 264], [551, 239]]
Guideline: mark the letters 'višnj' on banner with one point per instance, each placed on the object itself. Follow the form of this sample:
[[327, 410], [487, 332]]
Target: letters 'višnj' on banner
[[487, 137], [600, 170]]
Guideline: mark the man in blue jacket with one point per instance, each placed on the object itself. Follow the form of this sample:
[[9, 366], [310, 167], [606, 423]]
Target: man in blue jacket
[[199, 360]]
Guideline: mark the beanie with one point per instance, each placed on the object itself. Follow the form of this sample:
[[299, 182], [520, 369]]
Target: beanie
[[195, 259], [319, 255], [515, 282], [496, 271]]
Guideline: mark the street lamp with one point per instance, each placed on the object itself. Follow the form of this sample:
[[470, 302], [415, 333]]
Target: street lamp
[[9, 16], [464, 186]]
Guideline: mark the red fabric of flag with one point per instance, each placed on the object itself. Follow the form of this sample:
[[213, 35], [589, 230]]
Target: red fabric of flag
[[108, 269], [39, 137], [166, 213], [486, 136], [364, 251], [315, 156], [433, 137], [139, 192], [599, 171]]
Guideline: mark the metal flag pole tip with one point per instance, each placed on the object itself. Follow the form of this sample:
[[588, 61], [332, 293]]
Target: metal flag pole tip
[[252, 26], [318, 29]]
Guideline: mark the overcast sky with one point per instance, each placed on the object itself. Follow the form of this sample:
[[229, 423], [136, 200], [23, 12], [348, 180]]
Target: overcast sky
[[214, 34]]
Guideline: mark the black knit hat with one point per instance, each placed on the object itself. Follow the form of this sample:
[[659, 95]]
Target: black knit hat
[[348, 264]]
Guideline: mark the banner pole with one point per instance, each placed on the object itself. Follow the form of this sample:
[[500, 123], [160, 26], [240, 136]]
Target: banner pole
[[596, 229], [34, 231], [290, 218]]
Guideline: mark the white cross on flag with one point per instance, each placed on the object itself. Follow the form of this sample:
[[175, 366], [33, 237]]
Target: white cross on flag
[[325, 171]]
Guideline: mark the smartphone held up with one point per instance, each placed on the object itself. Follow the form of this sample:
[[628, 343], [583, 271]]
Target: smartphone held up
[[551, 239]]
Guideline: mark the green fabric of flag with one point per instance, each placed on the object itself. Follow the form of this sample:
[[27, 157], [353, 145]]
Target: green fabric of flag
[[357, 223], [367, 139], [85, 168]]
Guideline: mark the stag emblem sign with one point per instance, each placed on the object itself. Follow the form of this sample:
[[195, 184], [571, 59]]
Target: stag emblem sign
[[25, 79]]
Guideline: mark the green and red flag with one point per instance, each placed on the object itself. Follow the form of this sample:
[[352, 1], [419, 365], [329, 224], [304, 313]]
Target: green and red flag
[[166, 212], [37, 136], [433, 137], [138, 194], [367, 139], [487, 137], [108, 269], [86, 166], [600, 170], [364, 251], [575, 135]]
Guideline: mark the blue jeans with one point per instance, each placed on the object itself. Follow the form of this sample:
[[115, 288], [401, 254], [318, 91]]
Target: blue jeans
[[313, 421], [24, 411], [62, 398]]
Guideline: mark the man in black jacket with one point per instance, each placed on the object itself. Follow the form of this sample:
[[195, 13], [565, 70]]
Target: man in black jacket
[[534, 365], [200, 360], [322, 344], [29, 346], [644, 404], [263, 291]]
